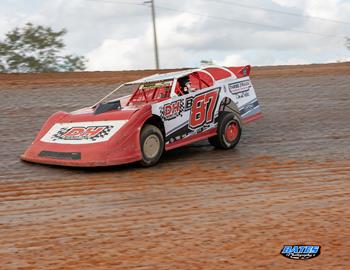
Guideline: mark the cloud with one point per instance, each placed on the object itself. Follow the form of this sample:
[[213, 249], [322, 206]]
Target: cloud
[[233, 60], [119, 36], [116, 55]]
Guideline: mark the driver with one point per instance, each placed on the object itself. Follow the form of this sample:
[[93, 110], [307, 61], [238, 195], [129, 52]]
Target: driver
[[185, 85]]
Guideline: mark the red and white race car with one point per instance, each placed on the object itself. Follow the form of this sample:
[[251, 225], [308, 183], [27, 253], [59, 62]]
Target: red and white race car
[[165, 111]]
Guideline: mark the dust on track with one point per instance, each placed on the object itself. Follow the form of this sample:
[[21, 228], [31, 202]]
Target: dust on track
[[287, 182]]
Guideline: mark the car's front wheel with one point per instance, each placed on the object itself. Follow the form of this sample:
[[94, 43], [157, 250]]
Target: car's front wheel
[[228, 131], [152, 145]]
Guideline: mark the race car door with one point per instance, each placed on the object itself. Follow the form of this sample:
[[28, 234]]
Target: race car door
[[190, 110]]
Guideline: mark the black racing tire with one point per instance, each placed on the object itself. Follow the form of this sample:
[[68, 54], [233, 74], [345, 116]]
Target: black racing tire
[[152, 145], [229, 131]]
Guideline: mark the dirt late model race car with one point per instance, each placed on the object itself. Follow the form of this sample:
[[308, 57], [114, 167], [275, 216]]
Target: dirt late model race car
[[164, 111]]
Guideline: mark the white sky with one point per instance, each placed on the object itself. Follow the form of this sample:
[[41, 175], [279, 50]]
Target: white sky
[[117, 36]]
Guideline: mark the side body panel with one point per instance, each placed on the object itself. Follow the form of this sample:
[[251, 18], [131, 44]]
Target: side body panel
[[195, 115], [242, 93]]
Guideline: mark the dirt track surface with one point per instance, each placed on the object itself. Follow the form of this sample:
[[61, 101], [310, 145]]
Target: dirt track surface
[[288, 182]]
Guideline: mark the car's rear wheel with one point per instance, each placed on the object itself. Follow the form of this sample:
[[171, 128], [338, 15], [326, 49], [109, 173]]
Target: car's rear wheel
[[228, 131], [152, 145]]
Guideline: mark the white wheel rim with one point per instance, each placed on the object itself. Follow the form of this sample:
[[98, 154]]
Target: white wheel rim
[[151, 146]]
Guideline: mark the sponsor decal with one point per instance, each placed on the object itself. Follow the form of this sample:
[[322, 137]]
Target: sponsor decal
[[82, 132], [242, 94], [241, 86], [177, 138], [172, 110], [249, 107], [300, 252], [153, 85], [172, 138], [188, 103]]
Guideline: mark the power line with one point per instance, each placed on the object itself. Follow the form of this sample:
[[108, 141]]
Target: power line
[[117, 2], [224, 19], [235, 3], [246, 22]]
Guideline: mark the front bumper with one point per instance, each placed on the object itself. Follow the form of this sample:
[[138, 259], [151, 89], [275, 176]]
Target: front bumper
[[93, 155], [80, 163]]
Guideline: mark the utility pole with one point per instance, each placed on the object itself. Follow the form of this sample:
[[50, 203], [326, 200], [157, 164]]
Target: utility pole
[[154, 32]]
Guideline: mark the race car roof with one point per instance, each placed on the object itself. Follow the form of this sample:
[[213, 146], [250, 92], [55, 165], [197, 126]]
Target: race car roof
[[213, 71], [164, 77]]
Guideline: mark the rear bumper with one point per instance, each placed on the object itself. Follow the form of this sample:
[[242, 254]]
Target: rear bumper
[[252, 118]]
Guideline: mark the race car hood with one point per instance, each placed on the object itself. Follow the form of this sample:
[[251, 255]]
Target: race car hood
[[89, 114], [65, 128]]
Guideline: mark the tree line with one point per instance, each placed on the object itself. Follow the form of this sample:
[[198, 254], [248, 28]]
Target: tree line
[[35, 48]]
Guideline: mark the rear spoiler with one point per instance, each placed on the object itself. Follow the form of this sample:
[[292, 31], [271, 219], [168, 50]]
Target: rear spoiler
[[240, 72]]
